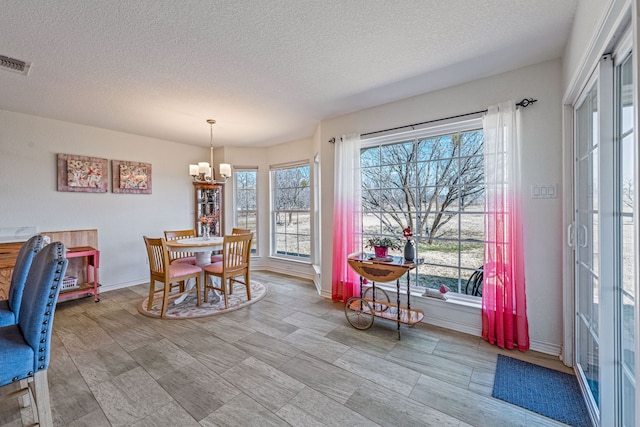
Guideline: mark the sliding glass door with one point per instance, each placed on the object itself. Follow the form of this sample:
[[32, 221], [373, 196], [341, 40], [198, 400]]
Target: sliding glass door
[[586, 242], [626, 155], [605, 239]]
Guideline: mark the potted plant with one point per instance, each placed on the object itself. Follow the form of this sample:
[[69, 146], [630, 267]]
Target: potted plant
[[381, 245]]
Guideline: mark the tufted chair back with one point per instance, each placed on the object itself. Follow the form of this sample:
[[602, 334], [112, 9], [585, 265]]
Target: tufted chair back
[[18, 279], [36, 312]]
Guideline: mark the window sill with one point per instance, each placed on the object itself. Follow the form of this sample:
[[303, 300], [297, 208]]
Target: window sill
[[292, 260], [452, 298]]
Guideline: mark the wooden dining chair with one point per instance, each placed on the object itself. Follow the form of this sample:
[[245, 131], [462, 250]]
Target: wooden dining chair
[[161, 270], [178, 256], [236, 249], [218, 257]]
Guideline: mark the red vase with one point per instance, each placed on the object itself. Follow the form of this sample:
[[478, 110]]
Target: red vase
[[381, 251]]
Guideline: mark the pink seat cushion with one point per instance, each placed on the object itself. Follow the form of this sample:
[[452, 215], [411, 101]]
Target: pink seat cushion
[[216, 258], [216, 267], [185, 260], [182, 269]]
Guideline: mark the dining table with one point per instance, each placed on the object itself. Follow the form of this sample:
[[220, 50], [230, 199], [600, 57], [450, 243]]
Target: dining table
[[202, 247]]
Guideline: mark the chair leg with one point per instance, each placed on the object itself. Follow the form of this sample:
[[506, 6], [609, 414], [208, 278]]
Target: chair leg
[[198, 286], [152, 289], [165, 299], [24, 400], [223, 282], [206, 288], [40, 391], [247, 283]]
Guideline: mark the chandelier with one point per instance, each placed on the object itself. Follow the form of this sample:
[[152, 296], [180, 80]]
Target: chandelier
[[204, 171]]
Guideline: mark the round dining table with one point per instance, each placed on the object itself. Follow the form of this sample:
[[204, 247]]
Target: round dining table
[[198, 245], [202, 248]]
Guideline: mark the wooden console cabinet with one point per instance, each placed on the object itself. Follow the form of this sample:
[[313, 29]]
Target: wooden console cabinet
[[84, 267]]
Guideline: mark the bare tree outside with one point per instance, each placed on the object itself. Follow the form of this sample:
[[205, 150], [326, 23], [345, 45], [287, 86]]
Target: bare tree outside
[[436, 186], [292, 213], [246, 203]]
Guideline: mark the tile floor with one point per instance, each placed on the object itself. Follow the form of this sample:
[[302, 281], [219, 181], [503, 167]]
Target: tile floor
[[290, 359]]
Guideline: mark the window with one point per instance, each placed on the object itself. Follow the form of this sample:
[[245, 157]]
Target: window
[[246, 203], [291, 214], [433, 181]]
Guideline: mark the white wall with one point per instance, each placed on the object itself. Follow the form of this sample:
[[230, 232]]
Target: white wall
[[541, 131], [28, 195]]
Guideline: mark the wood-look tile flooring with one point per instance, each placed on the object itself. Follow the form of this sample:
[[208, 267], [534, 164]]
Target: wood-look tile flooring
[[290, 359]]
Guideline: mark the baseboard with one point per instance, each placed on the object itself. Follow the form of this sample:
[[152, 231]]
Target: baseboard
[[546, 348], [114, 286]]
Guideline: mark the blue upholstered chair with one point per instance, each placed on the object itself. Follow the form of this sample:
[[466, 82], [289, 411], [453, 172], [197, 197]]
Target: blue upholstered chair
[[10, 308], [25, 346]]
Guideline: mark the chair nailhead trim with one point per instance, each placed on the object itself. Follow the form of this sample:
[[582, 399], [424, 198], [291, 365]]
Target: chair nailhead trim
[[46, 321], [41, 358], [30, 373], [42, 341], [14, 379], [53, 288], [46, 313], [49, 304], [44, 331], [41, 367], [42, 349]]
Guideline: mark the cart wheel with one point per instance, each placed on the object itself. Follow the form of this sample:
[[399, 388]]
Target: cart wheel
[[381, 298], [97, 300], [359, 313]]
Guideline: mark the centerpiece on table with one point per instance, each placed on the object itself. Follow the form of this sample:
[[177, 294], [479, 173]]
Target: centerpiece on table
[[409, 247], [205, 222], [381, 245]]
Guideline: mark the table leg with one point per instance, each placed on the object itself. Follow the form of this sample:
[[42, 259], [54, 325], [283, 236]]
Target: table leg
[[398, 300]]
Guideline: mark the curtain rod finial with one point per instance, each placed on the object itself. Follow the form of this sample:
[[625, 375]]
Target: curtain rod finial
[[526, 102]]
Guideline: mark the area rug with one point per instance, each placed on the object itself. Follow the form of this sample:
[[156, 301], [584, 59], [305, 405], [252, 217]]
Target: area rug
[[548, 392], [188, 309]]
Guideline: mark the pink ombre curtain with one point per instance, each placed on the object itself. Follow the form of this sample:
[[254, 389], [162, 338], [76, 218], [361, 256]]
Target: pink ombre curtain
[[347, 221], [504, 305]]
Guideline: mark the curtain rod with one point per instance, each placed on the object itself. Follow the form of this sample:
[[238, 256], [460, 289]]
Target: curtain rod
[[524, 104]]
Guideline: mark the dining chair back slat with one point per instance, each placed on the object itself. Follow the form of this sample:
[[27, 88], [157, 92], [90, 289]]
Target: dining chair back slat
[[181, 256]]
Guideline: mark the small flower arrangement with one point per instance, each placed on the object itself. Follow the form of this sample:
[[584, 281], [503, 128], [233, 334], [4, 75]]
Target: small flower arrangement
[[407, 232], [208, 219], [385, 242]]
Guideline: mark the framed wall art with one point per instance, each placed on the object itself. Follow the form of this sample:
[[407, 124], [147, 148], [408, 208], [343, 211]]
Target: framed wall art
[[82, 174], [131, 177]]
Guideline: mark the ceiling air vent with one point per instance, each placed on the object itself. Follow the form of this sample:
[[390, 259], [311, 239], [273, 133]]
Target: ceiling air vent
[[15, 65]]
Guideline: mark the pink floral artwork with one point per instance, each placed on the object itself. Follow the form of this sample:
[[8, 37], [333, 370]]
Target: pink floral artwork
[[131, 177], [82, 174]]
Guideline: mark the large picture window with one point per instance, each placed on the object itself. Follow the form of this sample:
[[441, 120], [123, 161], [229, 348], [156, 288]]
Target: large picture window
[[291, 213], [246, 203], [433, 182]]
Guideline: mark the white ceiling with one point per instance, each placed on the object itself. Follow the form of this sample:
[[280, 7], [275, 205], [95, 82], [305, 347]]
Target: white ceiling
[[267, 70]]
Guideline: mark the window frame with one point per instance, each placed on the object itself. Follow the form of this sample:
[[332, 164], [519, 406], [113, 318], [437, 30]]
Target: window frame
[[307, 259], [470, 124], [255, 249]]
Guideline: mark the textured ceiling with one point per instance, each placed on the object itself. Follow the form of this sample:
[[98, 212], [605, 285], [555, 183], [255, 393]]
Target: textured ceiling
[[267, 70]]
